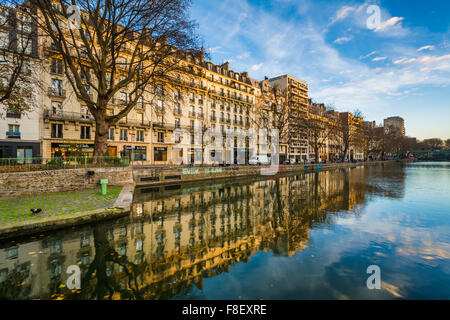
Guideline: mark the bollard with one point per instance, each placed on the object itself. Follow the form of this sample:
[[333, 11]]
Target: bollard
[[104, 183]]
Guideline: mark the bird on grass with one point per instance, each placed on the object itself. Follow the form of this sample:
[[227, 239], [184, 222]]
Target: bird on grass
[[36, 211]]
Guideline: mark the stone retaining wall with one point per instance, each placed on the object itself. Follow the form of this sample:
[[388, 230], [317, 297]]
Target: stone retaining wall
[[32, 182], [26, 183]]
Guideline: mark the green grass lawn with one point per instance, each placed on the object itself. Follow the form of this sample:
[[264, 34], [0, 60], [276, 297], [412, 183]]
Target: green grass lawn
[[55, 204]]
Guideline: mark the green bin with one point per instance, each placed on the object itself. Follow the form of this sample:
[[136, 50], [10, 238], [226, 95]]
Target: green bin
[[104, 183]]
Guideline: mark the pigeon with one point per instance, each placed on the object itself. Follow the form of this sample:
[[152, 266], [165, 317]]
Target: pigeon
[[35, 211]]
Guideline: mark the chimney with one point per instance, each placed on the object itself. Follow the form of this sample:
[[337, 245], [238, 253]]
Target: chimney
[[226, 66]]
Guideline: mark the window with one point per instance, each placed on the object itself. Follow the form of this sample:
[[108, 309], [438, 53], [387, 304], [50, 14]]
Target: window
[[13, 253], [139, 245], [24, 44], [159, 90], [85, 73], [160, 136], [55, 268], [140, 135], [177, 94], [85, 132], [123, 249], [56, 246], [85, 239], [177, 108], [56, 108], [4, 40], [25, 23], [13, 131], [13, 114], [57, 131], [123, 98], [3, 17], [57, 87], [160, 154], [123, 134], [57, 66], [111, 134], [177, 123], [160, 107]]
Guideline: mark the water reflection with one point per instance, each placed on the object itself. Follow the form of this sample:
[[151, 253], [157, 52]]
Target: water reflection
[[178, 236]]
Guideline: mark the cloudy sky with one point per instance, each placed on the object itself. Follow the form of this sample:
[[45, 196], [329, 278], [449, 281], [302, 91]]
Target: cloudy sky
[[396, 65]]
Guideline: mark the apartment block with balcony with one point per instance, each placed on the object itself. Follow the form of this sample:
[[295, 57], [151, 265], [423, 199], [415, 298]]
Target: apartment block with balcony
[[19, 131]]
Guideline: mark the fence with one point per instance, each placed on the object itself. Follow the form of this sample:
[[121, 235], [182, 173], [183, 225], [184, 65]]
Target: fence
[[37, 164]]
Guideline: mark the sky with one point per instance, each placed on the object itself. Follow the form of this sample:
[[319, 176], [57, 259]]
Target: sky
[[397, 65]]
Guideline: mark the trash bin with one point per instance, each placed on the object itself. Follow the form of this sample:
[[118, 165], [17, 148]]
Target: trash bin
[[104, 183]]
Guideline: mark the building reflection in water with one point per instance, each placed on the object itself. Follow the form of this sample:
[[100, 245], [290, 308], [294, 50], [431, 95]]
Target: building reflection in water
[[179, 235]]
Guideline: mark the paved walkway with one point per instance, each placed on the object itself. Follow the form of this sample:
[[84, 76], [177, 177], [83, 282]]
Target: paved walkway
[[55, 204]]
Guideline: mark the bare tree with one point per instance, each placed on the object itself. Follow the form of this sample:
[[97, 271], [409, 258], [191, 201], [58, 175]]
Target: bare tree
[[19, 61], [351, 131], [319, 126], [273, 112], [129, 46], [433, 143]]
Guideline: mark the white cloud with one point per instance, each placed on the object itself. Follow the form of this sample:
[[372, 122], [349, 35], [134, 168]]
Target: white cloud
[[341, 14], [390, 23], [423, 60], [368, 55], [379, 58], [256, 67], [426, 48], [214, 50], [342, 40]]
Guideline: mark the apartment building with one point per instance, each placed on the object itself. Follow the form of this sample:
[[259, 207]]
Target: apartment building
[[394, 123], [19, 131], [354, 136], [297, 95]]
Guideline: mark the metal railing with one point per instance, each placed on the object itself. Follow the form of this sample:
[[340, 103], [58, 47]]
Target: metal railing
[[56, 163]]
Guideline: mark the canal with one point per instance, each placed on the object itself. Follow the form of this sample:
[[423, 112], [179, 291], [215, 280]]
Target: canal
[[299, 236]]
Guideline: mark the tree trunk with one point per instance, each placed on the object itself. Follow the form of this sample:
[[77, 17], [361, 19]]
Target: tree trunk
[[316, 151], [101, 135]]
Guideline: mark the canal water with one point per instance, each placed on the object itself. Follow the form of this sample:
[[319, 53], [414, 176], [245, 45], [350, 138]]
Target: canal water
[[300, 236]]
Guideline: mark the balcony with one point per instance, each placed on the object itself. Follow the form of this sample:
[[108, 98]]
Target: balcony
[[200, 115], [213, 118], [13, 134], [191, 113], [177, 112], [56, 92], [69, 116]]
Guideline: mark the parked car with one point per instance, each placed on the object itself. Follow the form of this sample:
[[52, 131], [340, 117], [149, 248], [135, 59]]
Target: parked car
[[255, 160]]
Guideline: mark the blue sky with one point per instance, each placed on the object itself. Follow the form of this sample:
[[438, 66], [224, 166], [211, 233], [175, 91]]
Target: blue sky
[[400, 67]]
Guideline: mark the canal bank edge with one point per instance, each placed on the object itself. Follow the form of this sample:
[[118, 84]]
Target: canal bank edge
[[121, 207], [16, 184]]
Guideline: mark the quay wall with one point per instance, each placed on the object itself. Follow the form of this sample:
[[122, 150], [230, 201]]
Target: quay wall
[[34, 182]]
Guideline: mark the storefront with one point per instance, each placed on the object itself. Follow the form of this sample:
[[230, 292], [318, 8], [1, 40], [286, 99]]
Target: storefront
[[112, 151], [139, 153], [160, 154], [20, 150], [72, 150], [195, 155]]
